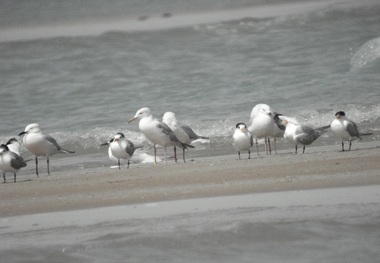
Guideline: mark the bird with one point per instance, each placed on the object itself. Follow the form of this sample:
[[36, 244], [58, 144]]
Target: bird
[[278, 129], [14, 146], [157, 132], [242, 139], [262, 124], [10, 161], [300, 134], [183, 132], [40, 144], [345, 129], [120, 148]]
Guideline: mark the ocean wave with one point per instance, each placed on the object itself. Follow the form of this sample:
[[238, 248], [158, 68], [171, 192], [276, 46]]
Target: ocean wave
[[159, 22]]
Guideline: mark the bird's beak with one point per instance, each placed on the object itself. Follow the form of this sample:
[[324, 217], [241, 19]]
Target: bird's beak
[[132, 119], [22, 133]]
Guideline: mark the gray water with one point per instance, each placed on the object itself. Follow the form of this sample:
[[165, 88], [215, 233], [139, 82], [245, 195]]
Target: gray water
[[82, 70]]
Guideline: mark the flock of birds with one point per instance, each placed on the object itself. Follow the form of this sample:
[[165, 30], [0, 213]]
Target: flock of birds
[[264, 123]]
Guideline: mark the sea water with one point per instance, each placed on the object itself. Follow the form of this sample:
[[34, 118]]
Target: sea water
[[81, 70]]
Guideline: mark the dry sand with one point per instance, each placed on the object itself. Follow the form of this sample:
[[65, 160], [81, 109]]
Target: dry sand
[[320, 167]]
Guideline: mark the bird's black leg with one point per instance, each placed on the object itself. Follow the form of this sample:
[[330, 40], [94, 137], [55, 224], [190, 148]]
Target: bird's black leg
[[342, 146], [36, 166], [296, 148], [128, 164], [5, 180], [184, 155], [175, 154], [249, 154], [118, 163], [239, 154], [48, 162], [304, 149], [14, 174], [349, 148]]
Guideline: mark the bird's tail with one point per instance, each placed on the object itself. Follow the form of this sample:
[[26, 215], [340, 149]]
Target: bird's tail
[[203, 137], [65, 151], [365, 133], [323, 128], [186, 146]]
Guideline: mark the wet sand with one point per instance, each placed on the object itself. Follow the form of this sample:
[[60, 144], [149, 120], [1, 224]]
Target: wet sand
[[319, 167]]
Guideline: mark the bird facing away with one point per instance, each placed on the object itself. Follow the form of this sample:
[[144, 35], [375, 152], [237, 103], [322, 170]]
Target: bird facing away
[[157, 132], [242, 139], [10, 161], [183, 132], [14, 146], [300, 134], [345, 129], [262, 124], [40, 144], [120, 148]]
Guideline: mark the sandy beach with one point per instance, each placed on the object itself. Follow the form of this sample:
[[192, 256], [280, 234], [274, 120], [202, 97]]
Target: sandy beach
[[320, 167]]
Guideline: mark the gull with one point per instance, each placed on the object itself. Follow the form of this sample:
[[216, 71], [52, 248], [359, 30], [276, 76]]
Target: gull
[[262, 124], [14, 146], [157, 132], [278, 129], [300, 134], [242, 139], [10, 161], [345, 129], [183, 132], [40, 144], [120, 148]]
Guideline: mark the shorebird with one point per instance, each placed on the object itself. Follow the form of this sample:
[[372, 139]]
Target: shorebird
[[278, 130], [120, 148], [262, 124], [40, 144], [300, 134], [242, 139], [345, 129], [157, 132], [183, 132], [10, 161]]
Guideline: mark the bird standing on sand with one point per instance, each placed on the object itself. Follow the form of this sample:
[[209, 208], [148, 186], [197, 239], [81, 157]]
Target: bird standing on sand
[[243, 139], [297, 133], [345, 129], [10, 161], [40, 144], [120, 148], [183, 132], [157, 132], [262, 124]]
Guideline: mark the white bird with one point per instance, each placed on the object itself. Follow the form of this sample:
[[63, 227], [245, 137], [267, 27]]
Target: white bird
[[242, 139], [345, 129], [183, 132], [300, 134], [10, 161], [157, 132], [14, 146], [120, 148], [40, 144], [262, 124]]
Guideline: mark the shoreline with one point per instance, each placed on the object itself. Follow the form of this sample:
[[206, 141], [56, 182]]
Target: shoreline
[[321, 167]]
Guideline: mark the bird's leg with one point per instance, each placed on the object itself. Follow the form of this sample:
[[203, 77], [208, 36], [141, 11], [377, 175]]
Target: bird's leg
[[37, 167], [349, 148], [14, 174], [296, 148], [257, 147], [47, 161], [342, 146], [239, 154], [166, 159], [275, 144], [270, 149], [118, 163], [155, 152], [184, 155], [175, 154], [304, 149], [266, 145], [249, 154], [128, 164], [5, 180]]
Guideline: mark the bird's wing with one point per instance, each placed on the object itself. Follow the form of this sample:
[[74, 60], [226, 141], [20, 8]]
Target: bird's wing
[[52, 141], [165, 129], [17, 161], [352, 129]]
